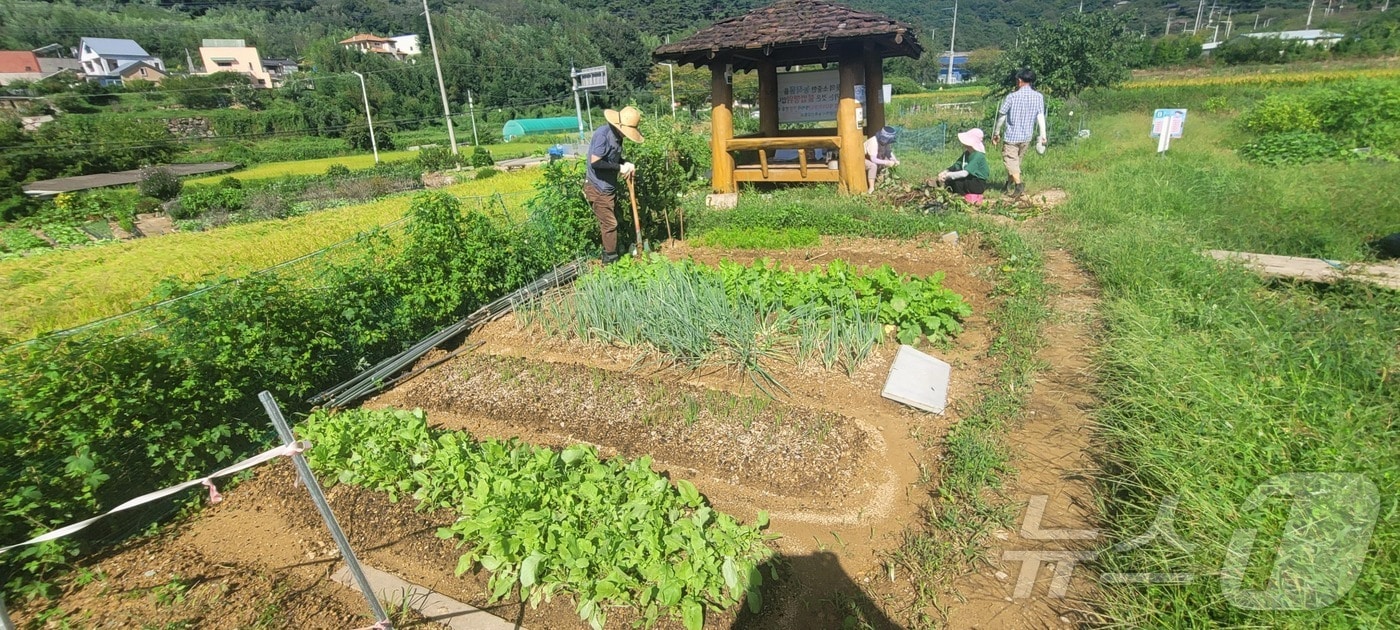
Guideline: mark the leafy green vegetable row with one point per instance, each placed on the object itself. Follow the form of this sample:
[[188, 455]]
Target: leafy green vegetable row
[[609, 532], [916, 307]]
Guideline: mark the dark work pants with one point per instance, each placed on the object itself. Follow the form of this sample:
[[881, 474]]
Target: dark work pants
[[605, 209], [968, 185]]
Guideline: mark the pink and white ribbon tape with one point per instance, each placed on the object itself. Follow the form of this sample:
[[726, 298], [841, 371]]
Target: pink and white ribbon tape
[[214, 497]]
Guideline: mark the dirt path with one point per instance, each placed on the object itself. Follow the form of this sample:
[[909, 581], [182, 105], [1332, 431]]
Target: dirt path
[[1053, 490]]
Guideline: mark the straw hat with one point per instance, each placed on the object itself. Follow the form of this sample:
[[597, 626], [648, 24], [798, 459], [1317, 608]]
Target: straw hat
[[973, 138], [626, 121]]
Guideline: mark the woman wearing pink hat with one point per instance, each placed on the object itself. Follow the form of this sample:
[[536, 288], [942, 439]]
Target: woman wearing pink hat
[[969, 174]]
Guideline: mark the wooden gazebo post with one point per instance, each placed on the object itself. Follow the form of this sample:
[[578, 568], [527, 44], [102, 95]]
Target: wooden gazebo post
[[874, 91], [721, 128], [848, 133]]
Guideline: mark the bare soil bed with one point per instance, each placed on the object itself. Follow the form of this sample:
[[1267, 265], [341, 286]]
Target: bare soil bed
[[838, 467]]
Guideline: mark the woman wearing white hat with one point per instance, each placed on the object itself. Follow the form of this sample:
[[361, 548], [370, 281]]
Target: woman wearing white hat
[[605, 164], [969, 174]]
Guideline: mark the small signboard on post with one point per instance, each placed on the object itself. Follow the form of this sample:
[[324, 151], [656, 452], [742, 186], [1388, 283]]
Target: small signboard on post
[[1167, 124], [592, 79]]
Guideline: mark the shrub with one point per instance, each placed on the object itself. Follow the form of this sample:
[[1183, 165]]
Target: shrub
[[145, 205], [337, 170], [199, 200], [1363, 112], [1296, 147], [160, 183], [1278, 114], [357, 136], [481, 157], [230, 181], [266, 204], [487, 173], [669, 164], [438, 159]]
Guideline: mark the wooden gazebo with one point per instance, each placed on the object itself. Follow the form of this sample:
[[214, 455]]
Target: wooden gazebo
[[786, 34]]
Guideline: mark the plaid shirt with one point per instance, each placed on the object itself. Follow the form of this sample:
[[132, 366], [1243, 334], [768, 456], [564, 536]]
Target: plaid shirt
[[1020, 109]]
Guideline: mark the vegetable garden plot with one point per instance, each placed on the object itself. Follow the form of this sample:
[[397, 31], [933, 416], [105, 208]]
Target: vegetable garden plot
[[840, 492]]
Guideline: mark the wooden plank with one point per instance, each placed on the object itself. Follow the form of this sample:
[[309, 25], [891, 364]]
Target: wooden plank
[[1313, 269], [763, 162], [435, 607], [802, 162], [785, 173], [802, 142]]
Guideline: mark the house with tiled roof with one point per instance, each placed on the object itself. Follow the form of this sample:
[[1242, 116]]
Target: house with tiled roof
[[19, 65], [111, 61], [398, 46]]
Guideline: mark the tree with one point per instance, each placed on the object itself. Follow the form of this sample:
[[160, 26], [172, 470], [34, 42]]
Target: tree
[[1078, 52]]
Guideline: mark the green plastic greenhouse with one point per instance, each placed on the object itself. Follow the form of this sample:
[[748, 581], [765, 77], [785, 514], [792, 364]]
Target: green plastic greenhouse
[[536, 126]]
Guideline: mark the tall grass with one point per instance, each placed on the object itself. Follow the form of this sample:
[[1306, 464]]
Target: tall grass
[[1214, 380], [61, 289]]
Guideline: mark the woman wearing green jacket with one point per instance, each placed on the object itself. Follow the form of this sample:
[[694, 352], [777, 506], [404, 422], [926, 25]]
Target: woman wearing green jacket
[[969, 174]]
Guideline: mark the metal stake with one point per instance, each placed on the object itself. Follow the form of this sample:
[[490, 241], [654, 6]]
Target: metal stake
[[313, 486], [5, 623]]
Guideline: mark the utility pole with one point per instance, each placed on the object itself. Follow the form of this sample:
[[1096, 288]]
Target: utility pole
[[1200, 9], [1081, 6], [1168, 31], [588, 107], [442, 88], [471, 105], [374, 144], [951, 39], [1311, 6]]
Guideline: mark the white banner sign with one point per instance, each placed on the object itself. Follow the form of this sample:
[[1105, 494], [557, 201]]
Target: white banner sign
[[595, 78], [813, 96]]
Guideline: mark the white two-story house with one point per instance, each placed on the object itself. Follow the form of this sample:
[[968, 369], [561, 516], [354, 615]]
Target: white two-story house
[[113, 61]]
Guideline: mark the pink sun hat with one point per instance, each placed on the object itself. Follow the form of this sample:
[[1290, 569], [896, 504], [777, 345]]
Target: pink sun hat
[[973, 138]]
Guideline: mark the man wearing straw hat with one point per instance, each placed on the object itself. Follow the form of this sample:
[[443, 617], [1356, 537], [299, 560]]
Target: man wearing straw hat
[[605, 164]]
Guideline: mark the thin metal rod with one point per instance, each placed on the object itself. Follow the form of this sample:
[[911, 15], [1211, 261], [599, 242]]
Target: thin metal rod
[[313, 486], [5, 623]]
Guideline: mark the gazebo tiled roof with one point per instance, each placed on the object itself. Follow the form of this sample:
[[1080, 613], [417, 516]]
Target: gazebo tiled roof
[[793, 31]]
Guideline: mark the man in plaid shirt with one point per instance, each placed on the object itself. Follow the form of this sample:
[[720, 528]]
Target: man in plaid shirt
[[1022, 112]]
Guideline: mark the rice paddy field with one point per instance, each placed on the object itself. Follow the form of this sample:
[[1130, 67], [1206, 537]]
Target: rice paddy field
[[64, 288], [361, 161]]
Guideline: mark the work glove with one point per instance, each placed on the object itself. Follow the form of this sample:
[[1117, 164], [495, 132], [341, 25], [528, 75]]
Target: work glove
[[627, 169], [942, 175]]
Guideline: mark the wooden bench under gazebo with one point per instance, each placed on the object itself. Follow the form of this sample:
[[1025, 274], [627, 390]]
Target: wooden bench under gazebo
[[786, 34]]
